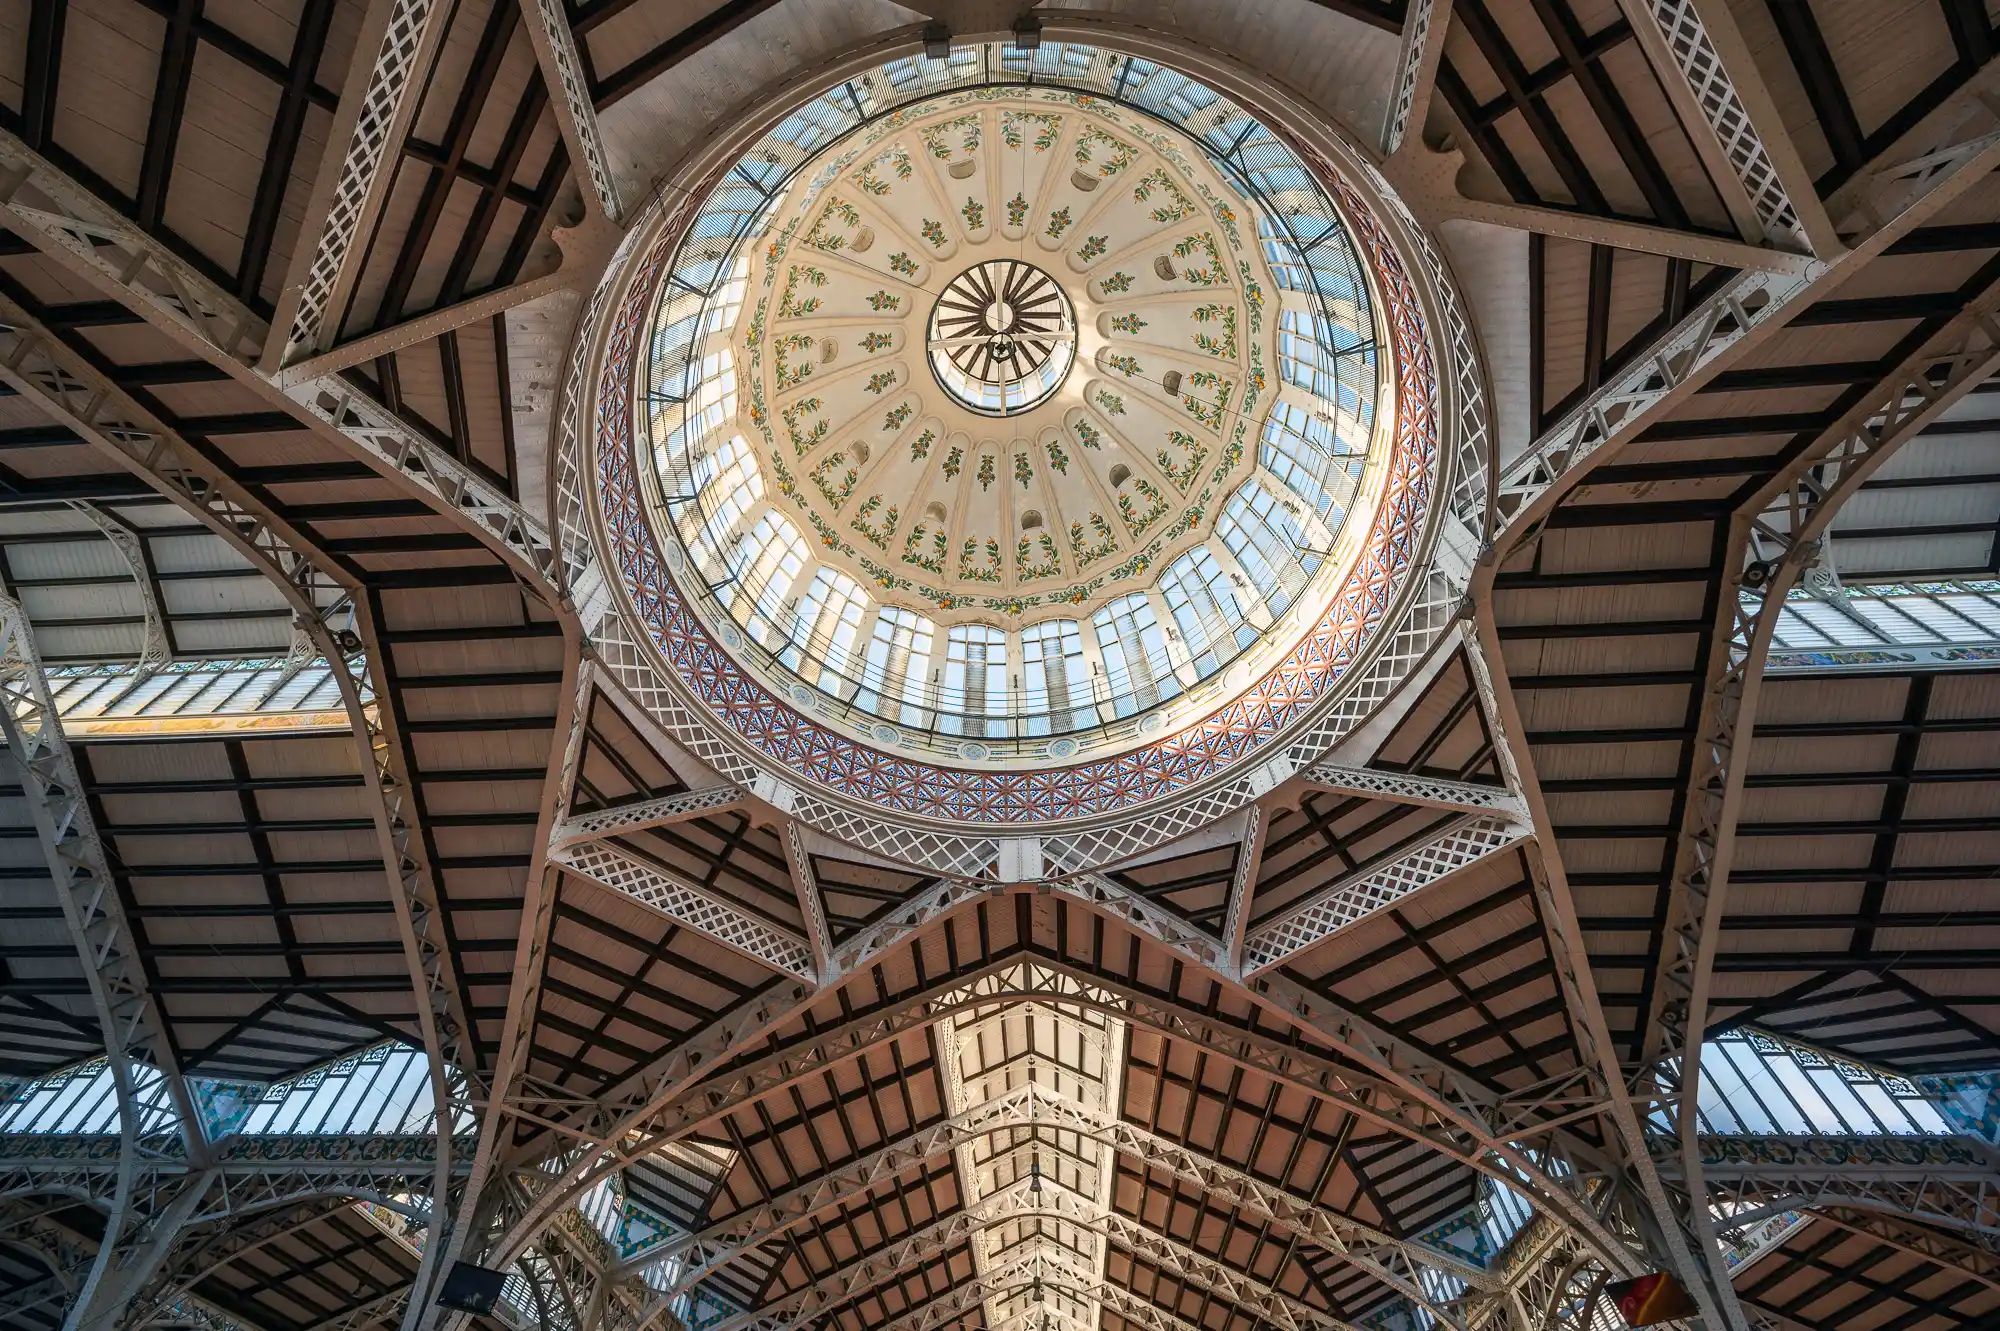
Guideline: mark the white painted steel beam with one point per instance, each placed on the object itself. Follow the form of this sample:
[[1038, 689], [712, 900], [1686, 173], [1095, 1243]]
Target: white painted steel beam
[[1452, 849], [1407, 788], [638, 815], [331, 612], [1711, 78], [72, 226], [1772, 540], [1950, 151], [399, 40]]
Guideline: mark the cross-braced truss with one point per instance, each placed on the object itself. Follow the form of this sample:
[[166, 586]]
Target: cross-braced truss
[[1415, 1039]]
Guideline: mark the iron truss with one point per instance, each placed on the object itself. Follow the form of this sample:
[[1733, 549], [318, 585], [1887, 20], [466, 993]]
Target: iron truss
[[1613, 1189]]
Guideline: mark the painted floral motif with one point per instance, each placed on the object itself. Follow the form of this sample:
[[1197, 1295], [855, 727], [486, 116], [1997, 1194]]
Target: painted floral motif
[[1017, 210], [790, 304], [1110, 402], [899, 262], [938, 138], [836, 489], [1209, 413], [1023, 472], [988, 471], [1088, 435], [1193, 453], [1175, 206], [1037, 559], [869, 178], [1158, 767], [823, 235], [1058, 456], [1118, 154], [933, 231], [972, 567], [1117, 284], [1126, 323], [1137, 518], [876, 534], [898, 416], [1208, 274], [1058, 223], [803, 440], [1126, 365], [954, 462], [880, 382], [884, 302], [925, 548], [1253, 297], [974, 213], [1094, 544], [920, 447], [1013, 126], [875, 342], [788, 374], [1223, 346], [1092, 248]]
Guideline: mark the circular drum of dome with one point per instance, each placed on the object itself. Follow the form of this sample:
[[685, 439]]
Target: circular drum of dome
[[962, 454]]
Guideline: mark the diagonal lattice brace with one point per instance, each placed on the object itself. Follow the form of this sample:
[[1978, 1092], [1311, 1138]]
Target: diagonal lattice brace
[[638, 815], [1456, 847], [703, 911]]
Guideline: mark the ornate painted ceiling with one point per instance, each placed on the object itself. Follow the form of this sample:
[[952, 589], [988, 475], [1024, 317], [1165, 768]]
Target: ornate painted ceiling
[[1005, 426]]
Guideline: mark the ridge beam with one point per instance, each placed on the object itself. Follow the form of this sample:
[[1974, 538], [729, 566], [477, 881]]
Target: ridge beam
[[1455, 847]]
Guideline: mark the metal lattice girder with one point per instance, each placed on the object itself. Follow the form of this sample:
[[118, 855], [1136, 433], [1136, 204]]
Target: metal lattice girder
[[375, 112], [713, 1248], [1456, 846], [611, 1128], [46, 207], [1269, 1305], [707, 913], [905, 1254], [1428, 792], [1058, 984], [638, 815], [1528, 1140], [350, 1156], [48, 372], [155, 651], [1711, 78], [1417, 57], [1028, 1109], [1773, 538], [963, 1297], [70, 224], [1977, 1259], [812, 906], [129, 1017], [1953, 149], [1393, 1261], [1940, 1180], [576, 115]]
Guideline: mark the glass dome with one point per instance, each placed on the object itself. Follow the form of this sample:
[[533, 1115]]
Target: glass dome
[[1005, 420]]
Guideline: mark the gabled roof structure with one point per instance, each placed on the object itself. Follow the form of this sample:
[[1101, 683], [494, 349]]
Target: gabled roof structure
[[766, 666]]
